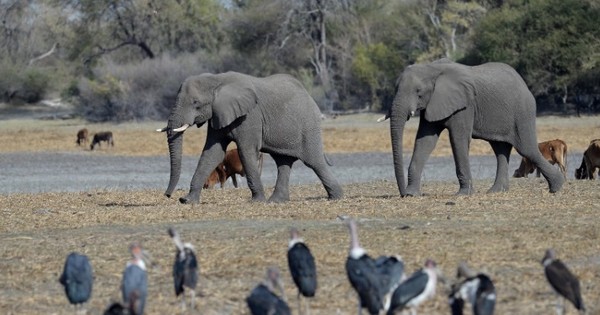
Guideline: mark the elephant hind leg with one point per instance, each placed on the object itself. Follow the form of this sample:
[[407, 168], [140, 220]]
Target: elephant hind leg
[[553, 176], [502, 152], [282, 185], [321, 168]]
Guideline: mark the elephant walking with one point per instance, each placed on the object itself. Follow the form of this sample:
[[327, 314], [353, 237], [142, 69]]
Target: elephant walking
[[274, 115], [489, 102]]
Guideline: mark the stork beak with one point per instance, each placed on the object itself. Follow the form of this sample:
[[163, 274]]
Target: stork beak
[[147, 258]]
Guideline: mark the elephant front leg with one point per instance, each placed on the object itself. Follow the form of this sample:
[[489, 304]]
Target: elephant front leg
[[427, 137], [282, 186], [502, 152], [212, 155]]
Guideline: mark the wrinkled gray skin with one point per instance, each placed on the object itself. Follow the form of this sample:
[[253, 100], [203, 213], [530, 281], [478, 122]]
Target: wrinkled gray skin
[[489, 102], [274, 115]]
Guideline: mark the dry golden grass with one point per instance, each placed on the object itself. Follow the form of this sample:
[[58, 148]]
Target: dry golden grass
[[502, 234], [354, 133]]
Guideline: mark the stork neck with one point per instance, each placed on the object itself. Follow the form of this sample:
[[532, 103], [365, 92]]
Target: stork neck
[[294, 241]]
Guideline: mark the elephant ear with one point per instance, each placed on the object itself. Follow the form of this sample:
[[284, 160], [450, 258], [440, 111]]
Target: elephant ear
[[232, 101], [452, 92]]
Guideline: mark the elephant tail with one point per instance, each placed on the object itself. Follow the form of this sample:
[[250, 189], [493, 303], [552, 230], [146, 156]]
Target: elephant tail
[[327, 160]]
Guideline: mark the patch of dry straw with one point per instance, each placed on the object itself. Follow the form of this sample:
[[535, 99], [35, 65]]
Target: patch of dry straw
[[502, 234]]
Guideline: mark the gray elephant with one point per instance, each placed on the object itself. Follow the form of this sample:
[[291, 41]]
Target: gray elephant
[[274, 115], [489, 102]]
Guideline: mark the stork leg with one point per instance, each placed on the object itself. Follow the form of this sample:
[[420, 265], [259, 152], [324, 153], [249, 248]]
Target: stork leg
[[359, 307], [306, 306], [299, 304], [560, 305], [193, 299]]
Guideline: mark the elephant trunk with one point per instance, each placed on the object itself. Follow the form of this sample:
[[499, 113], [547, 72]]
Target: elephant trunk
[[175, 140], [397, 133]]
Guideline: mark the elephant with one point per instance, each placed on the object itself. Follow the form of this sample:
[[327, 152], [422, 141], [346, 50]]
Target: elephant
[[274, 115], [102, 136], [489, 101], [82, 137], [555, 151], [590, 162]]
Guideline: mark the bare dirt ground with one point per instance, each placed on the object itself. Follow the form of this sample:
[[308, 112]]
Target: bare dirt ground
[[503, 234]]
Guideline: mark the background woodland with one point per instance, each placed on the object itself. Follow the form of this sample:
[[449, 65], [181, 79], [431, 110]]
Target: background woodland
[[122, 60]]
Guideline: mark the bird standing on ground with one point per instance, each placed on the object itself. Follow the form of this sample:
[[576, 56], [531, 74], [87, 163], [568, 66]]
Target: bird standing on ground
[[185, 269], [476, 289], [263, 300], [302, 267], [134, 285], [77, 278], [562, 281], [373, 280], [419, 287]]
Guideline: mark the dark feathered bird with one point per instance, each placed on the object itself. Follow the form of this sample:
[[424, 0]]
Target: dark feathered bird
[[134, 285], [263, 300], [419, 287], [302, 267], [476, 289], [562, 281], [185, 269], [374, 280], [77, 278]]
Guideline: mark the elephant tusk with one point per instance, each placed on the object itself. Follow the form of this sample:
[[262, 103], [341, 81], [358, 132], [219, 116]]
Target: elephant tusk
[[162, 129], [383, 118], [412, 113], [182, 128]]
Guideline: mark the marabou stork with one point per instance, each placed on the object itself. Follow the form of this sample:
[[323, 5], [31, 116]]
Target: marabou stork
[[302, 267], [374, 280], [562, 281], [420, 286], [77, 279], [185, 269], [263, 300], [134, 285], [476, 289]]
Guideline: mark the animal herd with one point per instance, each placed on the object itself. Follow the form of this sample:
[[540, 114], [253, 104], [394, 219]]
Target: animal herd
[[555, 152], [381, 284], [102, 136]]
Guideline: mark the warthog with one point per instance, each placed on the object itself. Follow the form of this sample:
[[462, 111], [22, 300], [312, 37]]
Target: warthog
[[102, 136]]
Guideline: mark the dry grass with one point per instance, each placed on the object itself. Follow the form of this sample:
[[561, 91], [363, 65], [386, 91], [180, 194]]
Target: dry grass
[[355, 133], [502, 234]]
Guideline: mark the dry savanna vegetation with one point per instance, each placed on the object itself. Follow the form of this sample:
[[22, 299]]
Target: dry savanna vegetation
[[502, 234], [345, 134]]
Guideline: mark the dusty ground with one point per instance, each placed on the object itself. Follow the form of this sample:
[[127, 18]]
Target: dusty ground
[[503, 234]]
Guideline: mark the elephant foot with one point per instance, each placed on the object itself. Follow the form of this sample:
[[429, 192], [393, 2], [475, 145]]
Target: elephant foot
[[556, 185], [497, 188], [258, 198], [190, 199], [335, 195], [465, 191], [412, 192], [279, 199]]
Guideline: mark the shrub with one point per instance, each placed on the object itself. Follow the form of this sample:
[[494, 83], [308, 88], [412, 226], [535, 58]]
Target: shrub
[[144, 90]]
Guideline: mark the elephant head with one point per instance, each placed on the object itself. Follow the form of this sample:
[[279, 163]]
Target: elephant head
[[436, 90], [207, 97]]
